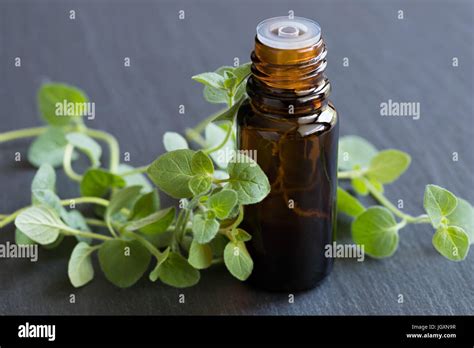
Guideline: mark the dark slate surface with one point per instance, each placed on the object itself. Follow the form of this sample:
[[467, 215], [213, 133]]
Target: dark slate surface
[[402, 60]]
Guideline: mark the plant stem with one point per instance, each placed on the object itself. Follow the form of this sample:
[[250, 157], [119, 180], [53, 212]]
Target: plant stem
[[68, 151], [10, 218], [192, 135], [72, 231], [221, 145], [95, 222], [220, 181], [217, 261], [151, 248], [379, 196], [21, 133], [203, 124], [79, 200], [113, 144], [350, 174], [138, 170], [85, 200]]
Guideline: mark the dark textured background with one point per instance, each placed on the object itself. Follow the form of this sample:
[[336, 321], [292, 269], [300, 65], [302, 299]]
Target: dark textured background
[[402, 60]]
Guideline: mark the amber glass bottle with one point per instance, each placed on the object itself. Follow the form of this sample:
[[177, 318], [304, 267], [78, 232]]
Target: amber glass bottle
[[292, 126]]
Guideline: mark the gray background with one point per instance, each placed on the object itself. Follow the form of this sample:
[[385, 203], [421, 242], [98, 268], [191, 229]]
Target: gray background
[[402, 60]]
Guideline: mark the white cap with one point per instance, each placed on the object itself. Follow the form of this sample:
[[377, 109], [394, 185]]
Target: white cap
[[288, 34]]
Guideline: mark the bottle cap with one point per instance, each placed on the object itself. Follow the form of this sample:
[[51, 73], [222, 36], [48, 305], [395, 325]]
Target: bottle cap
[[288, 34]]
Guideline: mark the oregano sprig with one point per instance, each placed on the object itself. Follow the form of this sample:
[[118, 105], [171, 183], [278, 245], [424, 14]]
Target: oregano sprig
[[132, 233]]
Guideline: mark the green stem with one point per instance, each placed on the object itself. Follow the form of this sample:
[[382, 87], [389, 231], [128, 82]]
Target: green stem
[[217, 261], [67, 159], [196, 137], [10, 218], [22, 133], [151, 248], [220, 181], [79, 200], [95, 222], [111, 142], [379, 196], [221, 145], [203, 124], [138, 170], [350, 174], [85, 200], [71, 231]]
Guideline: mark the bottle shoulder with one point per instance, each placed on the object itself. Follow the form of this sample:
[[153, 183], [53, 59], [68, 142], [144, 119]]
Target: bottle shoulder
[[321, 120]]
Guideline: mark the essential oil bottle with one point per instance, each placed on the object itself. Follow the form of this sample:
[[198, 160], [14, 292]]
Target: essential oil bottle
[[293, 129]]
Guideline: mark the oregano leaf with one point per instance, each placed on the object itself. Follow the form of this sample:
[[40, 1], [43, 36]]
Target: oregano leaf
[[452, 242], [438, 203], [171, 172], [376, 230], [237, 260]]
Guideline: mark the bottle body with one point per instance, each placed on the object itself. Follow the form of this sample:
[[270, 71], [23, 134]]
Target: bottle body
[[293, 129]]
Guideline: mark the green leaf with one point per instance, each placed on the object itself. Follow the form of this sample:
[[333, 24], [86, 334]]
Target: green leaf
[[238, 260], [171, 172], [204, 229], [176, 271], [123, 262], [438, 203], [145, 205], [134, 179], [52, 94], [50, 199], [242, 71], [355, 151], [223, 202], [54, 244], [154, 274], [218, 245], [388, 165], [40, 224], [98, 182], [348, 204], [229, 114], [210, 79], [376, 184], [200, 255], [174, 141], [22, 239], [156, 222], [215, 96], [122, 199], [48, 148], [247, 179], [45, 179], [376, 230], [200, 184], [242, 235], [75, 220], [359, 186], [452, 242], [80, 270], [463, 216], [87, 145], [201, 163], [215, 135], [229, 80]]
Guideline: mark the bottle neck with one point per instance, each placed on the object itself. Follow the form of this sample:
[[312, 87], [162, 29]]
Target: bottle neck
[[288, 83]]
